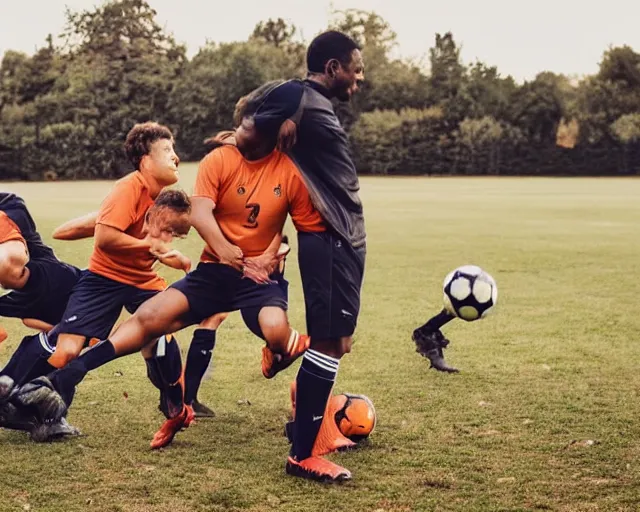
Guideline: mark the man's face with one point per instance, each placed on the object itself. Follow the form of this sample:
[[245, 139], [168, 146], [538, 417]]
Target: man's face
[[163, 162], [347, 79]]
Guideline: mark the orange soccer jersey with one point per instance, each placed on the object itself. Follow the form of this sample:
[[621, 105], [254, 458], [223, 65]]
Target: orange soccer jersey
[[125, 209], [253, 198], [9, 231]]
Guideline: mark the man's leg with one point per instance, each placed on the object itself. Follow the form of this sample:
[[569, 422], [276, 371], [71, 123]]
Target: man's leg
[[332, 272], [198, 360], [430, 342]]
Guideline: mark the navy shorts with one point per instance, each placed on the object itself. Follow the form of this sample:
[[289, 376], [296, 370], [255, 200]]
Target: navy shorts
[[215, 288], [332, 272], [46, 293], [96, 304]]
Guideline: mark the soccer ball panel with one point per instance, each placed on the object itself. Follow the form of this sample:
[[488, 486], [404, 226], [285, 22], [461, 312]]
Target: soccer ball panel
[[470, 270], [468, 313], [486, 312], [482, 290], [460, 288]]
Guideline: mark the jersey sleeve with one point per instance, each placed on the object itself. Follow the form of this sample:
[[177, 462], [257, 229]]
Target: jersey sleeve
[[303, 214], [9, 231], [280, 104], [119, 208], [209, 176]]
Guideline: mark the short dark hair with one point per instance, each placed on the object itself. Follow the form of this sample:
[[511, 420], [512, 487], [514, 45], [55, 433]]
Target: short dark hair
[[176, 201], [140, 138], [329, 45]]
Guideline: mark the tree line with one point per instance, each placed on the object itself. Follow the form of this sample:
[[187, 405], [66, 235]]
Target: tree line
[[65, 110]]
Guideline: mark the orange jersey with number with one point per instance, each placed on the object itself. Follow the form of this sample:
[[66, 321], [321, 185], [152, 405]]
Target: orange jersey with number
[[253, 198], [9, 232], [125, 209]]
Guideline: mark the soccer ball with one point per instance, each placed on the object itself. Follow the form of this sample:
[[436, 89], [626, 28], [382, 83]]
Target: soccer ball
[[354, 415], [470, 293]]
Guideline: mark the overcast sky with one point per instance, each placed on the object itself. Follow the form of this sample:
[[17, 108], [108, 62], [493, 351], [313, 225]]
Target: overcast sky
[[521, 38]]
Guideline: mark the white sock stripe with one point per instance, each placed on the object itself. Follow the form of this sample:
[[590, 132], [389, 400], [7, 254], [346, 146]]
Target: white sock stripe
[[322, 364], [44, 341], [328, 369], [293, 339], [325, 357]]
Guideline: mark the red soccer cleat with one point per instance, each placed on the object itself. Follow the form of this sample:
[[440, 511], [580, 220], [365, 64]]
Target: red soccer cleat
[[169, 429], [317, 468]]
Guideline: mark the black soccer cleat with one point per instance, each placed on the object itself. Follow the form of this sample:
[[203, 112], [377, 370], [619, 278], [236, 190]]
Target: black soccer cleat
[[40, 396], [430, 344], [48, 432], [201, 410]]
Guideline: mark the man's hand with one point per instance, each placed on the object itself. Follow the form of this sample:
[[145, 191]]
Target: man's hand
[[287, 135], [259, 268]]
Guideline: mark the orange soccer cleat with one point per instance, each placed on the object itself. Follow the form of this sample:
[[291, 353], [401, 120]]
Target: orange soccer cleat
[[317, 468], [273, 363], [169, 429]]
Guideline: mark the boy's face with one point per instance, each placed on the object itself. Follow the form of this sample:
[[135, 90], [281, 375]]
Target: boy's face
[[162, 162], [164, 224]]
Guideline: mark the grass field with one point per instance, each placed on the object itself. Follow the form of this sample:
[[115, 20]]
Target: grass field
[[544, 416]]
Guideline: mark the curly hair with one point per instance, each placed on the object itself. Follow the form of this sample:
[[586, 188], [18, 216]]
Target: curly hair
[[141, 137]]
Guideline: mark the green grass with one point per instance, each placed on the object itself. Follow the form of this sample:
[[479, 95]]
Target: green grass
[[555, 366]]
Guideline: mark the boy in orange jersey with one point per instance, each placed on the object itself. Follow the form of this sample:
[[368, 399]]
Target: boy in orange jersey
[[250, 189], [120, 272], [204, 337]]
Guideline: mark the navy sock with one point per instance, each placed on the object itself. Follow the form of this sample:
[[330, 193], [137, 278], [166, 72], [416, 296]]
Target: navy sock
[[198, 359], [315, 380], [66, 379], [29, 360], [164, 371], [437, 321]]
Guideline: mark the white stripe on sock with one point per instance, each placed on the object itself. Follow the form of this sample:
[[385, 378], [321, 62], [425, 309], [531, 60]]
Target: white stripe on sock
[[321, 364], [325, 357], [293, 339], [44, 341]]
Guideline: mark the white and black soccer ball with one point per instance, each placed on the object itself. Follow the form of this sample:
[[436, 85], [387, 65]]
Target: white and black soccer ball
[[470, 293]]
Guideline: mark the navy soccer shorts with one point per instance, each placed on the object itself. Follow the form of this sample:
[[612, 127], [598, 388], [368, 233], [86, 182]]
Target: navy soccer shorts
[[332, 272]]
